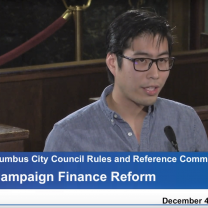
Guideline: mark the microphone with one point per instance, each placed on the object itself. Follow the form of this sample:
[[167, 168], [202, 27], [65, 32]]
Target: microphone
[[171, 137]]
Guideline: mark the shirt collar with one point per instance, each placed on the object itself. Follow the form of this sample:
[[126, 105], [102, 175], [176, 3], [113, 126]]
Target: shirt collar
[[109, 113]]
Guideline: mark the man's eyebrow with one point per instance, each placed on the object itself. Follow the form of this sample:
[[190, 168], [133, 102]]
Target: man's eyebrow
[[141, 53], [164, 53], [147, 54]]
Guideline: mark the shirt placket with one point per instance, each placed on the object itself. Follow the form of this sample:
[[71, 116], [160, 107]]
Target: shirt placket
[[127, 132], [144, 137]]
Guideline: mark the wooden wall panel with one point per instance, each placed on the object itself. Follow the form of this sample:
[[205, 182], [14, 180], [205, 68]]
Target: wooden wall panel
[[188, 84], [35, 98], [20, 106]]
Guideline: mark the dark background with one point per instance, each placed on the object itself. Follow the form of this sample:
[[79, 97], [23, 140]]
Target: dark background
[[20, 20]]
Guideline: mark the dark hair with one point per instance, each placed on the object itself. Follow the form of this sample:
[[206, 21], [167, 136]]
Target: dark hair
[[131, 24]]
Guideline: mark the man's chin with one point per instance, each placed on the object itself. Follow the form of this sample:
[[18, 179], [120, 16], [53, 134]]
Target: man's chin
[[149, 102]]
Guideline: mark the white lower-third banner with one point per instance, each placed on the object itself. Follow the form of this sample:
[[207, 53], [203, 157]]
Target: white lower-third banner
[[103, 197]]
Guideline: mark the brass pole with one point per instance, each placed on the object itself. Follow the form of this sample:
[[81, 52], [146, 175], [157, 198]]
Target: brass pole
[[78, 34], [67, 14], [77, 13]]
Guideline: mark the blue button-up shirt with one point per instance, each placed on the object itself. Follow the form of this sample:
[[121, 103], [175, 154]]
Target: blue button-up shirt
[[98, 128]]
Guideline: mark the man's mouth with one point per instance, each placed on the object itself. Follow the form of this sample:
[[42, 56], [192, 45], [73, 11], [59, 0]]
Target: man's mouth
[[152, 90]]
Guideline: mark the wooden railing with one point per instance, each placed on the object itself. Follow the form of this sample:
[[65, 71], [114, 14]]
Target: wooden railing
[[13, 139], [202, 111]]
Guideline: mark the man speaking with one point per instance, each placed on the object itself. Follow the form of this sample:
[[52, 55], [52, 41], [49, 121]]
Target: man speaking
[[129, 115]]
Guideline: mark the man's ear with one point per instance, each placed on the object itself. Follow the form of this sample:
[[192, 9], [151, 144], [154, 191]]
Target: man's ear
[[111, 62]]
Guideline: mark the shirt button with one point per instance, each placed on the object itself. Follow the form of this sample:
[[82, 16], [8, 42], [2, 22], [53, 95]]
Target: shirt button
[[112, 121], [115, 116], [129, 134]]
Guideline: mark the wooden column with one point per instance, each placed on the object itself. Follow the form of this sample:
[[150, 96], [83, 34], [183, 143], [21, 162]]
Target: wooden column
[[196, 23], [179, 17]]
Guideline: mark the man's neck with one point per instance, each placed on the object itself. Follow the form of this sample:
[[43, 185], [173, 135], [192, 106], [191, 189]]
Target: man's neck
[[128, 110]]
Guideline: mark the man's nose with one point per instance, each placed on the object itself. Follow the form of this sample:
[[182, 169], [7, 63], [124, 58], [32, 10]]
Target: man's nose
[[153, 72]]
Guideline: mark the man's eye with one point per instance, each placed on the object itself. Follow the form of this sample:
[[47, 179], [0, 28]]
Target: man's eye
[[140, 60], [162, 60]]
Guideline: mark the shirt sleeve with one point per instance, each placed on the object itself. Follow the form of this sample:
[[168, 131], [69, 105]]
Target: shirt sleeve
[[200, 135], [57, 140]]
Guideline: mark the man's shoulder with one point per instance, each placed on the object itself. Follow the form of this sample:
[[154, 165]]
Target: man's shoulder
[[79, 131], [172, 103], [173, 106], [80, 116]]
